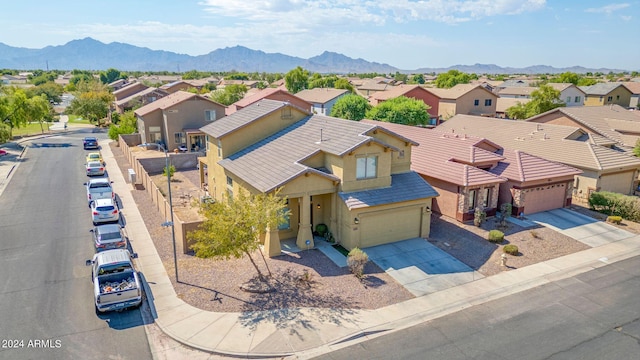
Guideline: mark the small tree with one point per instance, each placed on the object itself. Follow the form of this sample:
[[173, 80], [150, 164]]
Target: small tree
[[479, 216], [172, 170], [401, 110], [351, 107], [356, 260]]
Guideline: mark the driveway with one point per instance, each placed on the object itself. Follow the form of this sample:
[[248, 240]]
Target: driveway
[[580, 227], [421, 267]]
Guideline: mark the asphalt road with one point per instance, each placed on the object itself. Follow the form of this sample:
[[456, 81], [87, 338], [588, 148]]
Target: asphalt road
[[46, 295], [592, 316]]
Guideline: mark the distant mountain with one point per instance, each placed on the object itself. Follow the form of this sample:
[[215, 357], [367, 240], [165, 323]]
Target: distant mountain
[[90, 54]]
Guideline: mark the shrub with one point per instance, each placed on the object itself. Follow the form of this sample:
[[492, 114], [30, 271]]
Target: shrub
[[172, 170], [614, 219], [321, 229], [625, 206], [479, 216], [506, 209], [510, 249], [356, 260], [534, 234], [496, 236]]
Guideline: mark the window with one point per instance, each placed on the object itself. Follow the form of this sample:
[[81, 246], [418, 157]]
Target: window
[[609, 98], [487, 198], [568, 99], [180, 138], [366, 167], [210, 115], [229, 181], [487, 102], [219, 148], [230, 187], [286, 112], [286, 224], [601, 97], [401, 154], [472, 200], [577, 99], [617, 97], [476, 102]]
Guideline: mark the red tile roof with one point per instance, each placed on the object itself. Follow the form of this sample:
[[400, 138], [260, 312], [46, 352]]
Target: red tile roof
[[523, 167]]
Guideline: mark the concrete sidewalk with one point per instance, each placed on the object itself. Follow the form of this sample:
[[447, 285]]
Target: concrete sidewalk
[[307, 332]]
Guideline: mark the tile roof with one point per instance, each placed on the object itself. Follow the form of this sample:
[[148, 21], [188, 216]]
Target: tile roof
[[523, 167], [404, 187], [146, 91], [395, 91], [600, 88], [277, 159], [633, 86], [552, 142], [374, 85], [456, 91], [320, 95], [502, 104], [604, 120], [128, 87], [445, 156], [514, 82], [243, 117], [517, 90], [168, 101], [562, 86]]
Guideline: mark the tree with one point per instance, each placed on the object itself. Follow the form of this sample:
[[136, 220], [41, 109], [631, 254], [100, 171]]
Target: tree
[[111, 75], [417, 79], [543, 99], [343, 83], [636, 149], [452, 78], [401, 110], [400, 77], [126, 124], [232, 227], [52, 91], [296, 80], [92, 101], [229, 94], [566, 77], [351, 107], [39, 109]]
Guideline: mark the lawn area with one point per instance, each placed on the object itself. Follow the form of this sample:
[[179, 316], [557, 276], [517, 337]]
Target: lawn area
[[30, 129], [75, 119]]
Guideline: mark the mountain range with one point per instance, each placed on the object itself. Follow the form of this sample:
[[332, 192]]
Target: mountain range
[[90, 54]]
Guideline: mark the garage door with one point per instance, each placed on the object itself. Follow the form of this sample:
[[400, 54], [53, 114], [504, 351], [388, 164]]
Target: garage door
[[544, 198], [388, 226], [620, 183]]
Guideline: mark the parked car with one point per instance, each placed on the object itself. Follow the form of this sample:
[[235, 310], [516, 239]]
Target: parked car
[[95, 156], [104, 210], [116, 284], [108, 237], [3, 152], [90, 142], [99, 189], [94, 168]]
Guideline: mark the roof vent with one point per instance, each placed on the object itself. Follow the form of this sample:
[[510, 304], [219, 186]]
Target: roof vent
[[538, 127], [320, 142]]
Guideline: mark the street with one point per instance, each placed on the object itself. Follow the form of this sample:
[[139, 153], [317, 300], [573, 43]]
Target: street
[[592, 316], [46, 296]]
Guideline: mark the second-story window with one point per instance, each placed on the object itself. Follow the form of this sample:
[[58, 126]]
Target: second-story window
[[577, 99], [476, 102], [210, 115], [487, 102], [366, 167]]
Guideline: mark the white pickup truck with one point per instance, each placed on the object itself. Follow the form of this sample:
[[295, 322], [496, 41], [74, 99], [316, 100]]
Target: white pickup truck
[[116, 284], [99, 189]]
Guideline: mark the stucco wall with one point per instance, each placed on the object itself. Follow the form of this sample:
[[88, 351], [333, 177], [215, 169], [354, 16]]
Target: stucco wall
[[466, 101], [383, 179]]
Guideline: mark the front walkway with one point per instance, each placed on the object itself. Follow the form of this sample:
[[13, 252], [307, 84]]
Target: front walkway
[[421, 267], [580, 227]]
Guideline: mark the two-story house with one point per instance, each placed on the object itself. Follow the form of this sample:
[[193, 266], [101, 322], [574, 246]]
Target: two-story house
[[279, 93], [176, 119], [322, 99], [411, 91], [465, 99], [607, 94], [135, 94], [570, 94], [351, 176]]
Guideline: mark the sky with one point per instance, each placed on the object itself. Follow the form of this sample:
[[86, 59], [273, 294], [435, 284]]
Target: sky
[[407, 34]]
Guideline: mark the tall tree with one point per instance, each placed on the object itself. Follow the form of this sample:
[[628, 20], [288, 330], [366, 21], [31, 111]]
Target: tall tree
[[543, 99], [452, 78], [229, 94], [92, 101], [232, 227], [296, 80], [111, 75], [401, 110], [351, 107], [127, 124]]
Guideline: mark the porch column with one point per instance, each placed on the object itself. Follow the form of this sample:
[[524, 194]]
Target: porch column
[[304, 228], [333, 217], [272, 242]]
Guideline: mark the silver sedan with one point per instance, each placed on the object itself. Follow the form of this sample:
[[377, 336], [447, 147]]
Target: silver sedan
[[95, 168]]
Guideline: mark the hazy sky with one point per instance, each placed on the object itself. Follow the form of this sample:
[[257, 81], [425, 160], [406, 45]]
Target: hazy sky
[[407, 34]]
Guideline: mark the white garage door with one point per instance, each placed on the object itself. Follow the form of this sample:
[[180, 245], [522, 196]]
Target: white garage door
[[619, 183], [544, 198], [390, 225]]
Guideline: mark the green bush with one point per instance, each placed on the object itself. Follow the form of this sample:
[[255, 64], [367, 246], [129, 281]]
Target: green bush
[[510, 249], [479, 216], [614, 219], [322, 229], [506, 209], [496, 236], [627, 207], [356, 260]]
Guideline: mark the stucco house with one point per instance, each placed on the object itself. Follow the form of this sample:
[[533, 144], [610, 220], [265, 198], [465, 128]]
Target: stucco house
[[634, 87], [321, 99], [504, 103], [606, 94], [517, 92], [134, 94], [465, 99], [353, 177], [570, 94], [470, 172], [175, 120], [613, 122], [604, 166], [411, 91], [278, 93]]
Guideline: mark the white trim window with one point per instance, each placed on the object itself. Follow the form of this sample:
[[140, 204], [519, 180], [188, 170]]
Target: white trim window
[[210, 115], [366, 167], [180, 138]]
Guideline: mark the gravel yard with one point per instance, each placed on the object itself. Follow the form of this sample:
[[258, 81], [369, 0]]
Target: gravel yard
[[309, 279]]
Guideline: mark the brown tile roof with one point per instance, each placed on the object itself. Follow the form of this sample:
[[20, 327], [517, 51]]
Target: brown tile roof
[[259, 95], [128, 87], [404, 187], [277, 159], [562, 86], [517, 90], [373, 85], [169, 101], [521, 166], [502, 104], [445, 156], [320, 95], [633, 86], [548, 141], [456, 91], [133, 96], [394, 91]]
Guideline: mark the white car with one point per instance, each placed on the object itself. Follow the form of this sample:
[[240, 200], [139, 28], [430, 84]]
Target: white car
[[104, 210], [99, 189], [95, 168]]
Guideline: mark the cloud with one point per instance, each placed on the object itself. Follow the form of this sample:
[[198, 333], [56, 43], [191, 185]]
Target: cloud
[[608, 9], [626, 18]]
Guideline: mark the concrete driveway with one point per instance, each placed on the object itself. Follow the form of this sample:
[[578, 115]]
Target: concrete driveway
[[583, 228], [421, 267]]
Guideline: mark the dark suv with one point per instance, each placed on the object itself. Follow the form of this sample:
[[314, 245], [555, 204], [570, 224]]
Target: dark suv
[[90, 143]]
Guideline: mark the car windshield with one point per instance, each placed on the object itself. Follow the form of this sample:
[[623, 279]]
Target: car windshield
[[110, 269], [105, 208], [110, 236], [99, 185], [94, 164], [94, 156]]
